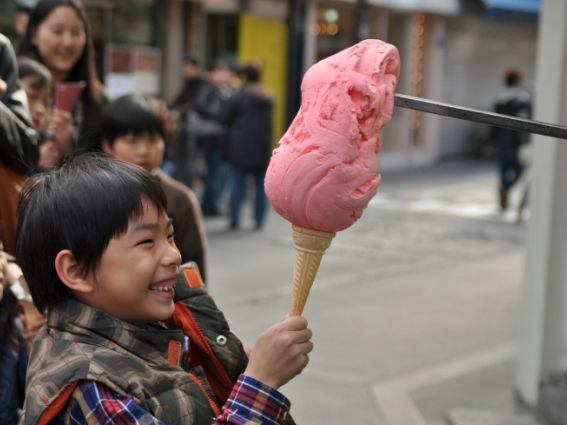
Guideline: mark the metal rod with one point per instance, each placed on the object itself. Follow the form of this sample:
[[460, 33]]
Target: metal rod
[[484, 117]]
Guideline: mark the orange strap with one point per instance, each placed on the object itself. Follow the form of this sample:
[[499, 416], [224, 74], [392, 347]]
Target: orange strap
[[54, 408], [193, 278], [201, 353], [174, 352], [204, 391]]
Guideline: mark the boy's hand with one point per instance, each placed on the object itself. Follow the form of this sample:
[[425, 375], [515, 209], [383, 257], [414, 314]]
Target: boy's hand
[[281, 352]]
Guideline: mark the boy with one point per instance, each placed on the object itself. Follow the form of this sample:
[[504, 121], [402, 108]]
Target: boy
[[96, 247], [133, 130]]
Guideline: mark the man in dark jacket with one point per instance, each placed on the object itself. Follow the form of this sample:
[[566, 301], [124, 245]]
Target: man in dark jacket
[[198, 109], [248, 117], [513, 100]]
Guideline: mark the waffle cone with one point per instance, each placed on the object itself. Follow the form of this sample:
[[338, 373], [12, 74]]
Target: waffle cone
[[310, 245]]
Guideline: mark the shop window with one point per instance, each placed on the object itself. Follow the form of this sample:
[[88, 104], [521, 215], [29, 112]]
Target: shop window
[[134, 25]]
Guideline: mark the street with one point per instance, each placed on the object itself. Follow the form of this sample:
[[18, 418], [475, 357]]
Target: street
[[414, 309]]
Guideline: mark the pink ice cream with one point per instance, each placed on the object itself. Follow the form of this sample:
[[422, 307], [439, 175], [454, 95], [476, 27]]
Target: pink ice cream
[[323, 174]]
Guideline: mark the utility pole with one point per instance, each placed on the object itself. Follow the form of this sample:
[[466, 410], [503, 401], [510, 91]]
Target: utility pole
[[296, 25]]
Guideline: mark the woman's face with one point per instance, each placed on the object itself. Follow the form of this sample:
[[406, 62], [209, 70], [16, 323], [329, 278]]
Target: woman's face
[[60, 39]]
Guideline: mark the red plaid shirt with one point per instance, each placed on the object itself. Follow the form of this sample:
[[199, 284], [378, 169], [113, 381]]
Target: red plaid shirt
[[251, 402]]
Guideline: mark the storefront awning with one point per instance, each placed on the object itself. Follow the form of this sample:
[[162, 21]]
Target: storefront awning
[[441, 7], [512, 6]]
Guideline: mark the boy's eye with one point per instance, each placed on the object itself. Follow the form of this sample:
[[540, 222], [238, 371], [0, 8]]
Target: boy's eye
[[145, 241]]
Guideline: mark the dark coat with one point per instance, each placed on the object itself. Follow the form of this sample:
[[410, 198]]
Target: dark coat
[[18, 138], [248, 118]]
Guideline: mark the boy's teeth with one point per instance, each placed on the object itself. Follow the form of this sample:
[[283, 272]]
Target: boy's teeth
[[162, 289]]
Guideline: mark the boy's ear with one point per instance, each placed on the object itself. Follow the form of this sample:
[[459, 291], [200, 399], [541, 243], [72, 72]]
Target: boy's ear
[[71, 273], [106, 146]]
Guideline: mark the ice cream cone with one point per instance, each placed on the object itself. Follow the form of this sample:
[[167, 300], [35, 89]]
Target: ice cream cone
[[310, 245]]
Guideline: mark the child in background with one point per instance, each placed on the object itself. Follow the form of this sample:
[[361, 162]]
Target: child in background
[[55, 127], [133, 130], [130, 339]]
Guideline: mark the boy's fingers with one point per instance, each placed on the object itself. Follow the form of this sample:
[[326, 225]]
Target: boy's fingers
[[305, 347], [303, 335], [295, 323]]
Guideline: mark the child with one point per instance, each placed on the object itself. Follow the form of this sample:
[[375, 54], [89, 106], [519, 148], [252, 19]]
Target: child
[[55, 127], [97, 250], [133, 130]]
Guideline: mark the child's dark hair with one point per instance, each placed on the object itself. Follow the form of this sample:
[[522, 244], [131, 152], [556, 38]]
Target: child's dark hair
[[79, 206], [132, 114], [28, 67]]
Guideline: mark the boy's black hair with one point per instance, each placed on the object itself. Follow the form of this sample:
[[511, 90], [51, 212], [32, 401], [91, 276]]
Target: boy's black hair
[[132, 114], [79, 206], [28, 67]]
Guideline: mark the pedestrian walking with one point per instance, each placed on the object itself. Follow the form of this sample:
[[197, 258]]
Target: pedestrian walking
[[212, 141], [248, 117], [196, 107], [514, 100]]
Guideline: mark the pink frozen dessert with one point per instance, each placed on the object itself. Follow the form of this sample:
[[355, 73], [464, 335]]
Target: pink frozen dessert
[[323, 174]]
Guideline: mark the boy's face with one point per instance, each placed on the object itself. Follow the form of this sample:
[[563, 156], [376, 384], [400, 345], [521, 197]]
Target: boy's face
[[39, 101], [135, 277], [144, 149]]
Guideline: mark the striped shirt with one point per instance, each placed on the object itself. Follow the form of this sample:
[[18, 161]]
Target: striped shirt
[[251, 402]]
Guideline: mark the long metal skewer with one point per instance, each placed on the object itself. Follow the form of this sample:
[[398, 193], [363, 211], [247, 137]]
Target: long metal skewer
[[477, 115]]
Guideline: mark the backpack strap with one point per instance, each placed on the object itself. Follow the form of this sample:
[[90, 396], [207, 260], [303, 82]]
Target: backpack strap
[[200, 352], [57, 405]]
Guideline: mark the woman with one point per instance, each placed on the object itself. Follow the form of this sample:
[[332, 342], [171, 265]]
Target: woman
[[58, 35]]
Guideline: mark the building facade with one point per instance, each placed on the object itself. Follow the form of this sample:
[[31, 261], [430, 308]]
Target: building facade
[[451, 51]]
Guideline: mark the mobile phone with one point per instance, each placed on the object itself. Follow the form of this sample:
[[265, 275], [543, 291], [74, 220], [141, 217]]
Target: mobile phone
[[67, 94]]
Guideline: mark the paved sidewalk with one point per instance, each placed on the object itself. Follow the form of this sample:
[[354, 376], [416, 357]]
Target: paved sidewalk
[[414, 309]]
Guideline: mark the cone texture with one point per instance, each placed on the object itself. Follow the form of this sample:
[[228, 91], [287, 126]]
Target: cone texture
[[310, 245]]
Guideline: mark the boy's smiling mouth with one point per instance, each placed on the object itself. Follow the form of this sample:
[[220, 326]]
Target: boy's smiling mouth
[[164, 288]]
